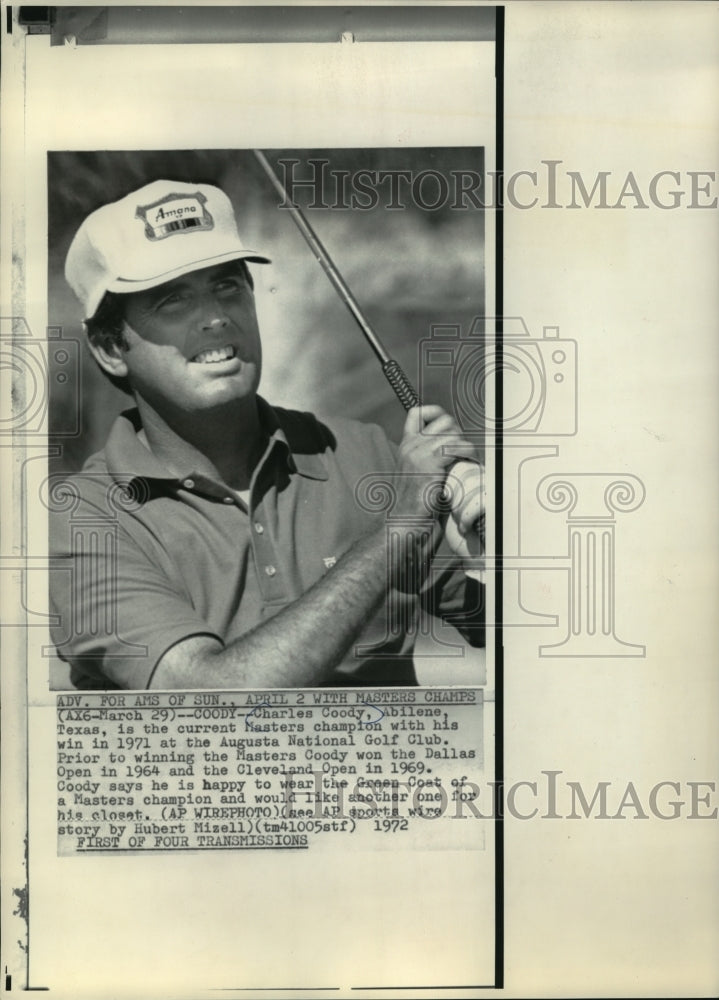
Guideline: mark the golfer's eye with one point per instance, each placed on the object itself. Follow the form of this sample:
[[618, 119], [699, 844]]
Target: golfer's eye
[[229, 286], [171, 303]]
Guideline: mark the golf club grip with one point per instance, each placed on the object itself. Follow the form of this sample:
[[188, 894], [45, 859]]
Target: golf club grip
[[402, 386], [408, 397]]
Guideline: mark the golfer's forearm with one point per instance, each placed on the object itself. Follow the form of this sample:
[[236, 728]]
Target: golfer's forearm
[[302, 643]]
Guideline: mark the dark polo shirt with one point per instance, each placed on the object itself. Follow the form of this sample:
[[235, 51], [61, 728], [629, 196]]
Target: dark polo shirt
[[144, 559]]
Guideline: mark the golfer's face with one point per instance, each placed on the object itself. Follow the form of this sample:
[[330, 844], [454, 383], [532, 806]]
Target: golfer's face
[[194, 343]]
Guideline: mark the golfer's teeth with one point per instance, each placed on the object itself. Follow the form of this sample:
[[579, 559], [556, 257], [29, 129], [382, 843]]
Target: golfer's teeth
[[214, 355]]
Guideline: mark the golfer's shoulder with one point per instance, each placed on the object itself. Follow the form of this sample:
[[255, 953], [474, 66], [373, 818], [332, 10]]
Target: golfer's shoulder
[[98, 491], [78, 502], [339, 439], [91, 483]]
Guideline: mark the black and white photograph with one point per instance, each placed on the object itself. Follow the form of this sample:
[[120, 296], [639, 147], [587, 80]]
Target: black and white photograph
[[152, 556]]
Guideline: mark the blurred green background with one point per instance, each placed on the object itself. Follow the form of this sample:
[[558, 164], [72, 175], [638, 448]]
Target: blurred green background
[[410, 268]]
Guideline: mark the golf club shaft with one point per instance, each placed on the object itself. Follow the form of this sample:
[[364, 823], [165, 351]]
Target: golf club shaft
[[403, 388], [394, 374]]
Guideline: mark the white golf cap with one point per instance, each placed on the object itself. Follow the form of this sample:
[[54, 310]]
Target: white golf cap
[[165, 229]]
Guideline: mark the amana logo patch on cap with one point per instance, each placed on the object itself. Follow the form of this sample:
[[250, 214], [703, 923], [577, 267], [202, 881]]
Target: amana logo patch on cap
[[175, 213]]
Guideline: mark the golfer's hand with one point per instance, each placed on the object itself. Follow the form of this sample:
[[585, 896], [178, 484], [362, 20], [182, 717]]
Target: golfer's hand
[[464, 530], [431, 443]]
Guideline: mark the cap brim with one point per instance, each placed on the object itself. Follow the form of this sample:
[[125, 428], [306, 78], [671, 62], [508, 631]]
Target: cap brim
[[129, 285]]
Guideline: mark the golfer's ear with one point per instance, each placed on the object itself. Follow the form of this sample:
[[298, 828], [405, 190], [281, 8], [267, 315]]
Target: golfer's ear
[[108, 354]]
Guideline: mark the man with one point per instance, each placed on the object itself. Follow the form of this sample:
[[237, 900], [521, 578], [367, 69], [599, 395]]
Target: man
[[239, 552]]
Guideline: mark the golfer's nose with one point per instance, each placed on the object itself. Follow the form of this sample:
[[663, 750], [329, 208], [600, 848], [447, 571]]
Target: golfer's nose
[[213, 316]]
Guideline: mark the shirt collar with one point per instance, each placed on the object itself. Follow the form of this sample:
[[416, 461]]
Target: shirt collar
[[124, 451], [302, 451]]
